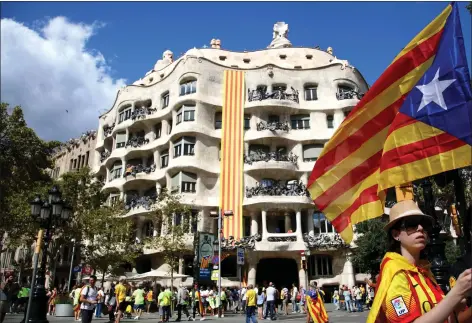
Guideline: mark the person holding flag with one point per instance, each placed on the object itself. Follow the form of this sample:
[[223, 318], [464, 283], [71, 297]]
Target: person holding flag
[[315, 308], [415, 122]]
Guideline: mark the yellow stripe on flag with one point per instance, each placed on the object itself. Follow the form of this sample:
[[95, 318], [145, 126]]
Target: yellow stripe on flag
[[232, 144]]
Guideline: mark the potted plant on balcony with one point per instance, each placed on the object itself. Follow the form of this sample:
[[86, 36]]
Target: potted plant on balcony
[[64, 306]]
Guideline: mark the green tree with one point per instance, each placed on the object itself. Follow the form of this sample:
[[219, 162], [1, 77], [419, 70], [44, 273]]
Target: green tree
[[371, 246], [469, 7], [24, 160], [175, 219], [106, 236]]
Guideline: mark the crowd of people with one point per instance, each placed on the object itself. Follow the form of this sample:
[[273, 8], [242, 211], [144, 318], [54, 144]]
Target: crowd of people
[[353, 299]]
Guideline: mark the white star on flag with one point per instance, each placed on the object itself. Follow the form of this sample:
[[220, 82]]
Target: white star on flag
[[433, 91]]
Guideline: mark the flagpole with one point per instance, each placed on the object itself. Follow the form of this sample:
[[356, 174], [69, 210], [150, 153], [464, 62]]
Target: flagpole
[[436, 248]]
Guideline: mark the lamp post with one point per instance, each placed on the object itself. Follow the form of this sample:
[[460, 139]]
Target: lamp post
[[220, 227], [49, 214]]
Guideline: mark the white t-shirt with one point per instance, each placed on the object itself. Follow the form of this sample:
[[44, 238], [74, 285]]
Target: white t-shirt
[[101, 294], [270, 293], [295, 292], [243, 293], [90, 294]]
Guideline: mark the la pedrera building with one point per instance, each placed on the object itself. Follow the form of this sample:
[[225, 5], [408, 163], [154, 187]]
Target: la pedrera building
[[165, 131]]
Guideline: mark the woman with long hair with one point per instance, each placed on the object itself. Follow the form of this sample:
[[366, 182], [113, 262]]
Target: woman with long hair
[[260, 303], [406, 290]]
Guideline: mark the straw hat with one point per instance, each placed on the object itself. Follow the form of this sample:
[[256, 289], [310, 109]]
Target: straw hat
[[403, 209]]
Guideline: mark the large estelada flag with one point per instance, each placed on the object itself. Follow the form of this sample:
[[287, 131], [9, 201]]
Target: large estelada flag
[[317, 309], [414, 122]]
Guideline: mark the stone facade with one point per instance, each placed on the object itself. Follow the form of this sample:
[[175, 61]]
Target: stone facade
[[75, 154], [164, 130]]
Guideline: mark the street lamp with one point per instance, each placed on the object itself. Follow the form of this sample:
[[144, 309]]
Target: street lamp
[[220, 225], [49, 215]]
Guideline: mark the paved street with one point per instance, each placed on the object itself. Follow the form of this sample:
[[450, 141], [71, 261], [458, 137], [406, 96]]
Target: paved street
[[334, 317]]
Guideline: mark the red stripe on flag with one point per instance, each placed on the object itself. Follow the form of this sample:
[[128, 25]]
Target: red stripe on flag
[[355, 176], [343, 220], [420, 150], [353, 142], [401, 120], [408, 62]]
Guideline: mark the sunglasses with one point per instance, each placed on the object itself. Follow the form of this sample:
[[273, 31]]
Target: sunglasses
[[410, 224]]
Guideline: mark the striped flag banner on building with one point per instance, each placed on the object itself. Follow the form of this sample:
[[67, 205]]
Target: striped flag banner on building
[[232, 153], [414, 122]]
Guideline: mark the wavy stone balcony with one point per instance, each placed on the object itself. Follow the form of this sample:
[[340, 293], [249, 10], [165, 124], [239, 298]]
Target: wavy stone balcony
[[261, 160], [108, 130], [139, 204], [134, 170], [348, 95], [294, 194], [137, 141], [279, 94], [273, 126], [142, 113]]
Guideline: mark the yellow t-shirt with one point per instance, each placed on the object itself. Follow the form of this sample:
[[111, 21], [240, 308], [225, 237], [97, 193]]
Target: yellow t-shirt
[[120, 292], [251, 297], [149, 296]]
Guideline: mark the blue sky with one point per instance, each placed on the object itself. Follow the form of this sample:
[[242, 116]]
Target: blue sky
[[129, 37], [367, 34]]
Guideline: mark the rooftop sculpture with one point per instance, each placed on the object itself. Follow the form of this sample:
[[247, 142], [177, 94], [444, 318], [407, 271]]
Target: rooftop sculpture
[[279, 36]]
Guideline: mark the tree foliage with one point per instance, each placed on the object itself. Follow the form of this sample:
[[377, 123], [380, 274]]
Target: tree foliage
[[469, 7], [371, 246], [452, 252], [107, 237], [24, 159], [175, 218]]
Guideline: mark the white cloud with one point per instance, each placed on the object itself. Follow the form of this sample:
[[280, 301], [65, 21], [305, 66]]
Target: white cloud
[[49, 69]]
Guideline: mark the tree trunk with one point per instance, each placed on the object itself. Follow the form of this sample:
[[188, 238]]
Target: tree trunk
[[103, 276]]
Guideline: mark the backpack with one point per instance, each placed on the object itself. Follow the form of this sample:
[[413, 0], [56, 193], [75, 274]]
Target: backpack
[[184, 294], [86, 294]]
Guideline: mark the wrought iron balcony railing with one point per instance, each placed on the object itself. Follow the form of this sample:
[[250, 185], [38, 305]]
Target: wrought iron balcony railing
[[348, 94], [272, 126], [279, 94], [324, 240], [141, 113], [245, 242], [104, 155], [140, 201], [278, 188], [136, 141], [260, 155], [107, 130], [140, 168]]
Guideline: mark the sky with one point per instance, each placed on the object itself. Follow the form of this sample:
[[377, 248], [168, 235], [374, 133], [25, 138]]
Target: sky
[[64, 61]]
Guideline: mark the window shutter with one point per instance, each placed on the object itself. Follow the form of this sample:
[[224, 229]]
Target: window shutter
[[175, 181], [189, 177], [121, 137], [312, 151]]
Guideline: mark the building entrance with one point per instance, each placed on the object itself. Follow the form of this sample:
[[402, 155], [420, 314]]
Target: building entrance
[[282, 272]]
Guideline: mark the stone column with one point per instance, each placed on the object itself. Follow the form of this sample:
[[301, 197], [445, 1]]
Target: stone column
[[338, 118], [301, 275], [251, 274], [264, 225], [139, 230], [298, 220], [348, 276], [288, 222], [310, 225], [181, 265], [254, 224]]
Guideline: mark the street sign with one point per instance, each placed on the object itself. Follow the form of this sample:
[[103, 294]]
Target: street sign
[[77, 269], [240, 256], [215, 274]]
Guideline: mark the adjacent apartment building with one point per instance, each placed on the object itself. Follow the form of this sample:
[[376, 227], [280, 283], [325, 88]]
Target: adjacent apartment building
[[165, 131]]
